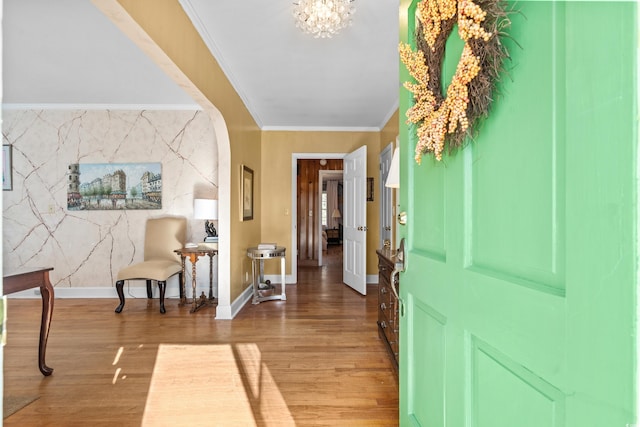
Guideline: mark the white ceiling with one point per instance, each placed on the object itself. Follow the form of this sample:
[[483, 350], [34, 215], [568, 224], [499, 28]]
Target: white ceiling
[[67, 54]]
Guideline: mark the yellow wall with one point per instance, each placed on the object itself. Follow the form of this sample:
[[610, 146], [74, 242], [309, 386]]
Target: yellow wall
[[180, 51], [247, 153], [186, 58], [277, 149], [389, 132]]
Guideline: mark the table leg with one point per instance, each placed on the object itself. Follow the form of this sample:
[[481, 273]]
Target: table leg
[[282, 279], [194, 260], [183, 298], [255, 280], [210, 277], [46, 290], [261, 280]]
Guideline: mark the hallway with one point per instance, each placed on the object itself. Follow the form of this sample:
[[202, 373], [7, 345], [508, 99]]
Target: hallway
[[318, 359]]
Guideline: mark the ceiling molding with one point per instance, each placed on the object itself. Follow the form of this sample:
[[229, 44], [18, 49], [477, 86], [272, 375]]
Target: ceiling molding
[[131, 107]]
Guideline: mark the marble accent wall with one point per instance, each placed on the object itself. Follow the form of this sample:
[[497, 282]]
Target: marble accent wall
[[87, 248]]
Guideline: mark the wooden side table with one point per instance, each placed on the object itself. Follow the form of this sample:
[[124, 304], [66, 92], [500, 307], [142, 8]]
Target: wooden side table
[[27, 279], [194, 254]]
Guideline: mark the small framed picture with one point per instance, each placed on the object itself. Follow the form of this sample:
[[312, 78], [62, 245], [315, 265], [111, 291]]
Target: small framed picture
[[7, 177], [370, 189], [246, 196]]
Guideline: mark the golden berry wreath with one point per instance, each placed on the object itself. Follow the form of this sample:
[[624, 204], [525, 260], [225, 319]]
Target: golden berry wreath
[[447, 121]]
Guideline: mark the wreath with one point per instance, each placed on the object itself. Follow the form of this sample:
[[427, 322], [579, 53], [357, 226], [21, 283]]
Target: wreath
[[447, 121]]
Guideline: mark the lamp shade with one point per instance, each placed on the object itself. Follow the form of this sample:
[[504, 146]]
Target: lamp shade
[[205, 209], [393, 178], [335, 214]]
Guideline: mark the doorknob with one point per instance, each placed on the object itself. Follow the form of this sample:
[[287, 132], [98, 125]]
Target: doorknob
[[399, 267], [402, 218]]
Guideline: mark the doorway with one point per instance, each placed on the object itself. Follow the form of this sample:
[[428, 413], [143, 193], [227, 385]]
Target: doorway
[[303, 219], [312, 205], [330, 218]]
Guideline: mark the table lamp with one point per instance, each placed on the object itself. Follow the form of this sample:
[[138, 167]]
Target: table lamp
[[393, 177], [336, 215], [207, 209]]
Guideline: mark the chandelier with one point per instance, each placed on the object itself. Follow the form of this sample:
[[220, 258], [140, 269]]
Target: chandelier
[[323, 18]]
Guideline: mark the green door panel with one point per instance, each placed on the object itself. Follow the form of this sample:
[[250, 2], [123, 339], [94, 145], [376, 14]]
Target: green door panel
[[520, 284], [514, 175]]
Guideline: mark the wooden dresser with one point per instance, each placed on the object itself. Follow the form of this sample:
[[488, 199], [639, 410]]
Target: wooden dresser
[[388, 317]]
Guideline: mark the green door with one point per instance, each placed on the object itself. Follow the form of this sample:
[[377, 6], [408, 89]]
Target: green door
[[520, 284]]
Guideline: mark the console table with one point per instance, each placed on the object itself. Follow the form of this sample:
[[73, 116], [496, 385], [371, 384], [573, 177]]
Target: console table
[[193, 254], [27, 279], [258, 255]]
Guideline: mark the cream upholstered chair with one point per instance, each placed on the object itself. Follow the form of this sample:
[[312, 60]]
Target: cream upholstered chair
[[162, 237]]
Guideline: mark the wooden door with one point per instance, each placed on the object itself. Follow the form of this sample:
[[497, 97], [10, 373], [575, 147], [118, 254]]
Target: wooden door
[[519, 291]]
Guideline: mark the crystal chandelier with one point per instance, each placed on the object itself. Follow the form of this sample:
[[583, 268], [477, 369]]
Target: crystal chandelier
[[323, 18]]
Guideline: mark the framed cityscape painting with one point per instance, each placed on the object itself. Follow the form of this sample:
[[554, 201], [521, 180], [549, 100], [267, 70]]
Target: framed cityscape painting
[[114, 186]]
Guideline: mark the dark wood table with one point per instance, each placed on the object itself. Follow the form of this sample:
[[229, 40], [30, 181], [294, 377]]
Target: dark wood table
[[193, 254], [31, 278]]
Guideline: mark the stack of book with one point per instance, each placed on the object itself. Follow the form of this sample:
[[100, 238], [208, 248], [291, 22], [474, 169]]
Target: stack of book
[[210, 239], [267, 246]]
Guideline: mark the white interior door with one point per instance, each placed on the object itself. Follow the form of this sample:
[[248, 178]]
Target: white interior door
[[355, 220]]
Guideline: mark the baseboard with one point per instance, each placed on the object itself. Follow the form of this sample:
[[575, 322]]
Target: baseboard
[[102, 292], [141, 292], [223, 313], [240, 302], [275, 278], [172, 291]]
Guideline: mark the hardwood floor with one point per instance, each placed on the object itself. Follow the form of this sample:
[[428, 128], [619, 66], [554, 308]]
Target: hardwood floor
[[318, 356]]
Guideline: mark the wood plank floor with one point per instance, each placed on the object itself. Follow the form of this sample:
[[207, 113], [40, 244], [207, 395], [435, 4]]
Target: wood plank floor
[[319, 350]]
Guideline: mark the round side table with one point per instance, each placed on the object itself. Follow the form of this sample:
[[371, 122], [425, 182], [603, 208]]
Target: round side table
[[260, 287]]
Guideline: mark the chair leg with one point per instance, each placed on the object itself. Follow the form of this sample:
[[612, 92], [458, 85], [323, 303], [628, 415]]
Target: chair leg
[[162, 285], [180, 285], [119, 286], [149, 291]]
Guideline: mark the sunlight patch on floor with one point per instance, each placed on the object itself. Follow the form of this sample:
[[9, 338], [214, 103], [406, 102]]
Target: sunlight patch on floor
[[213, 385]]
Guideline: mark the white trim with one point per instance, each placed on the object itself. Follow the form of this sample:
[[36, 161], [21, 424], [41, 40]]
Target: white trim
[[239, 302], [222, 62], [294, 203], [390, 114], [321, 128], [372, 279], [95, 292], [135, 107], [132, 289]]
